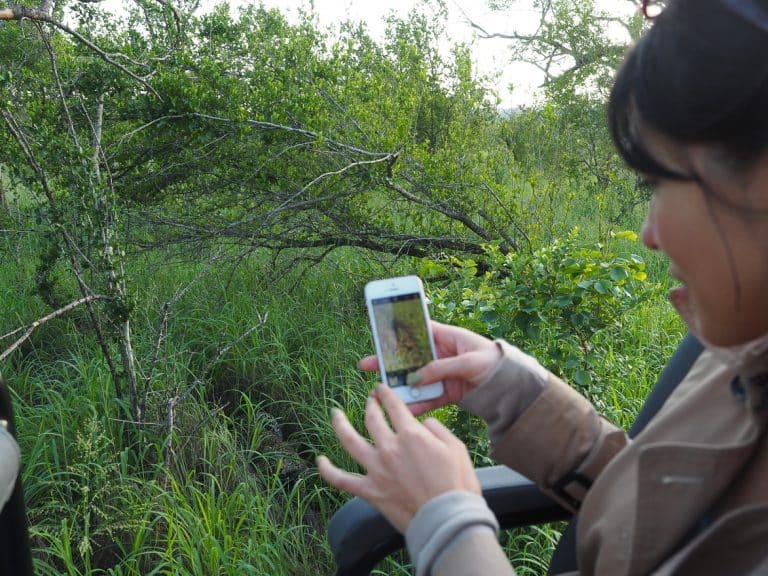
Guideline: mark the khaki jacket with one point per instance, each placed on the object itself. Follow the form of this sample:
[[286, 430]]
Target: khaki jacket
[[688, 496]]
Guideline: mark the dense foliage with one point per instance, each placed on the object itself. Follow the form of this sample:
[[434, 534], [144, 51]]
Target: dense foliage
[[191, 204]]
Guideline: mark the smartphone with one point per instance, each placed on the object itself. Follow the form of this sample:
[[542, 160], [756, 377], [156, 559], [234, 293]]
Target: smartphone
[[397, 309]]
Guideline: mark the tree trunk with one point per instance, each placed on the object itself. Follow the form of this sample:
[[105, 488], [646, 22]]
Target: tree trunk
[[112, 257], [3, 191]]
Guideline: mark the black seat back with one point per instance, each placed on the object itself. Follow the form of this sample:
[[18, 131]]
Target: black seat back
[[15, 551]]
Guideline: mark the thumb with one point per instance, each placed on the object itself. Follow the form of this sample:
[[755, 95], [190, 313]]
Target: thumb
[[471, 367]]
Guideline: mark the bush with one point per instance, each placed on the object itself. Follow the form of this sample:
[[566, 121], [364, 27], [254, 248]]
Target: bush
[[551, 302]]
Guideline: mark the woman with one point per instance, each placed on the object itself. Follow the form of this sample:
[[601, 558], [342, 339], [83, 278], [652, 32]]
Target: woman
[[689, 495]]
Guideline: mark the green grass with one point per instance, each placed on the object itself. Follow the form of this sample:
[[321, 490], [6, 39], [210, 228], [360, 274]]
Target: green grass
[[232, 488]]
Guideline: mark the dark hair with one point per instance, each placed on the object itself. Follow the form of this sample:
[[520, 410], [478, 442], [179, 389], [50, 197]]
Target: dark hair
[[699, 75]]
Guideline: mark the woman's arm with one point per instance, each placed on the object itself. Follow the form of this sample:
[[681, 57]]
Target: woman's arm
[[421, 478]]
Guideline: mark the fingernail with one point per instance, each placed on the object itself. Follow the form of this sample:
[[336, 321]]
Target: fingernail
[[335, 412], [413, 378], [380, 387]]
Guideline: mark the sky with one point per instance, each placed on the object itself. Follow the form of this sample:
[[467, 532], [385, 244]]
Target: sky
[[490, 56]]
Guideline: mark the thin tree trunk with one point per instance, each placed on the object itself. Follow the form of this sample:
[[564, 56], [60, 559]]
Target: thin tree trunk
[[115, 271], [3, 191]]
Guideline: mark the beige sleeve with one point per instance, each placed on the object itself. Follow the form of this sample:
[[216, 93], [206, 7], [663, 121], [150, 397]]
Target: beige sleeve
[[543, 428], [474, 552], [443, 521]]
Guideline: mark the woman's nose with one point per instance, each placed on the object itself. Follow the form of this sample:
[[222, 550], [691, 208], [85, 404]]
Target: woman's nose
[[648, 234]]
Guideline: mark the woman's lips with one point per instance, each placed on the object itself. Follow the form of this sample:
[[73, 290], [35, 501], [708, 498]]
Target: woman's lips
[[679, 295], [680, 299]]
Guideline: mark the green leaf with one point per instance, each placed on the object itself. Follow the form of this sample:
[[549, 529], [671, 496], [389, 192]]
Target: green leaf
[[626, 235], [564, 301], [618, 273], [582, 378], [603, 287]]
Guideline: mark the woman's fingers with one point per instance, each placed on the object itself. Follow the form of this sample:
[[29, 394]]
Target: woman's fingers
[[438, 429], [376, 423], [449, 341], [399, 414], [355, 484], [369, 364], [406, 464], [357, 446], [453, 340], [471, 367], [419, 408]]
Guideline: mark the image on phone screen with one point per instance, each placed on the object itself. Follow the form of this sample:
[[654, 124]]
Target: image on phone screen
[[403, 336]]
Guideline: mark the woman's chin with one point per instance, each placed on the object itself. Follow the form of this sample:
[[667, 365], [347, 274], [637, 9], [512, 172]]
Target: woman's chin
[[720, 331]]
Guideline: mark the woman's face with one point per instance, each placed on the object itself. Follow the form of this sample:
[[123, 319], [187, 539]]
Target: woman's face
[[715, 233]]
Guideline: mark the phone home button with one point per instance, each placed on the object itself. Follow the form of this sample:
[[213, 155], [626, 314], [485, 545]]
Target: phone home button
[[415, 393]]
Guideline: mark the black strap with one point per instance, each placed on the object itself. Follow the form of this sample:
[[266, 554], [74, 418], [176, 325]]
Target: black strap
[[561, 487]]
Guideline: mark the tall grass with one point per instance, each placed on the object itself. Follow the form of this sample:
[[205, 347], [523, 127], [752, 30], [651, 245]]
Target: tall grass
[[231, 488]]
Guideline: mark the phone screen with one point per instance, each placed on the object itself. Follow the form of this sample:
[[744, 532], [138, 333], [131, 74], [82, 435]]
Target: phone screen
[[403, 336]]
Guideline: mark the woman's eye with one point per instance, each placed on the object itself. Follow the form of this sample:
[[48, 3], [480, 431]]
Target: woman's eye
[[648, 181], [647, 185]]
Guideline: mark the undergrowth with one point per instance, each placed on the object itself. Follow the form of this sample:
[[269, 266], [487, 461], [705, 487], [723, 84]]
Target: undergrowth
[[223, 481]]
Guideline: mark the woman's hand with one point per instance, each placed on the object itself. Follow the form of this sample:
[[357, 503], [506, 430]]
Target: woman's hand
[[407, 465], [465, 360]]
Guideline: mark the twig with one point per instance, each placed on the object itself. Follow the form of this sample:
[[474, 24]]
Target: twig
[[439, 207], [37, 323], [162, 329], [74, 250]]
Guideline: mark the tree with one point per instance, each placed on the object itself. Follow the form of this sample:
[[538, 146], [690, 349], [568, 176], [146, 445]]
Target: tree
[[388, 148], [561, 144], [576, 46], [52, 107], [242, 132]]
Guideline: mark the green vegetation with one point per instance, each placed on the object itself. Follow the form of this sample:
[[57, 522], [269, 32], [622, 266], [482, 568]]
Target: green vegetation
[[194, 219], [231, 489]]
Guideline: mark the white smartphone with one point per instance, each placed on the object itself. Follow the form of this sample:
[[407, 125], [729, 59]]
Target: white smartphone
[[397, 309]]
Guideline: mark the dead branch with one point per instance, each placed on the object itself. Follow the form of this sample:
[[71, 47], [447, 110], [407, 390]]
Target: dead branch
[[165, 315], [509, 216], [389, 158], [75, 254], [28, 330], [463, 218], [176, 15], [548, 49]]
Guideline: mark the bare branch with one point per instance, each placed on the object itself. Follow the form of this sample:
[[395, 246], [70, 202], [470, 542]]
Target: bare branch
[[390, 158], [176, 14], [174, 401], [463, 218], [75, 254], [166, 313], [28, 330], [509, 216]]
